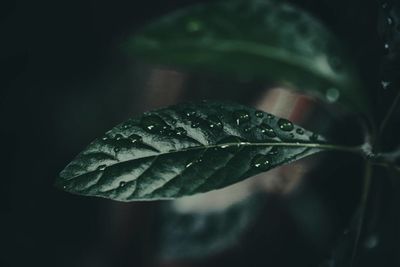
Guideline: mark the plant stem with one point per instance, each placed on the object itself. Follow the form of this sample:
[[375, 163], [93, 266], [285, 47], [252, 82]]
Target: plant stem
[[363, 208]]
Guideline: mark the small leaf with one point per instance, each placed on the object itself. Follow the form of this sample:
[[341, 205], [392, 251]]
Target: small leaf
[[184, 150], [253, 38]]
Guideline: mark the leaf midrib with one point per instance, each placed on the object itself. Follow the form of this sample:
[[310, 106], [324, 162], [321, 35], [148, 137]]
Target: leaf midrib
[[355, 149]]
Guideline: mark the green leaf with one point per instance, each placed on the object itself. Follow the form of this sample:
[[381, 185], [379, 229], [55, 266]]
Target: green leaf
[[269, 40], [184, 150]]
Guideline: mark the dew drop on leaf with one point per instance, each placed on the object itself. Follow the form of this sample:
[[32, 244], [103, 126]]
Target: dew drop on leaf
[[270, 116], [215, 123], [231, 144], [134, 138], [189, 164], [180, 131], [285, 125], [267, 130], [122, 184], [102, 167], [274, 151], [299, 131], [241, 116], [190, 113], [105, 138], [116, 149], [259, 114], [118, 137], [261, 162], [195, 124], [154, 124], [199, 160]]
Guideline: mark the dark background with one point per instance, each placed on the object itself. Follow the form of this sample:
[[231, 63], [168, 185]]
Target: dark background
[[64, 82]]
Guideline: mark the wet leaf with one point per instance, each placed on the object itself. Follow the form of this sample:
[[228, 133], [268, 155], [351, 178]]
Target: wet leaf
[[186, 149]]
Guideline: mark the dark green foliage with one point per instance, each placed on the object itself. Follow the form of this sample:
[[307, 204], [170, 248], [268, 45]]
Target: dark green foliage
[[268, 40], [184, 150], [193, 148]]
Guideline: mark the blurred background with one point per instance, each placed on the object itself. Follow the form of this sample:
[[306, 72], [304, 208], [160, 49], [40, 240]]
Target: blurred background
[[65, 82]]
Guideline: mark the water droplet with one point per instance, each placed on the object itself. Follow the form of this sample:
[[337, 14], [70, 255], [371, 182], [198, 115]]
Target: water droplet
[[173, 121], [246, 130], [194, 26], [274, 151], [190, 113], [270, 116], [154, 124], [134, 138], [389, 21], [267, 130], [116, 149], [241, 116], [386, 46], [189, 164], [332, 95], [101, 167], [372, 241], [385, 84], [215, 123], [195, 124], [231, 143], [261, 162], [299, 131], [105, 138], [122, 184], [127, 126], [196, 161], [259, 114], [180, 131], [314, 137], [118, 137], [285, 125]]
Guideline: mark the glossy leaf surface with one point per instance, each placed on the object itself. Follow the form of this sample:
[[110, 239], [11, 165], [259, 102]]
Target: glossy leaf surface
[[186, 149], [268, 40]]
